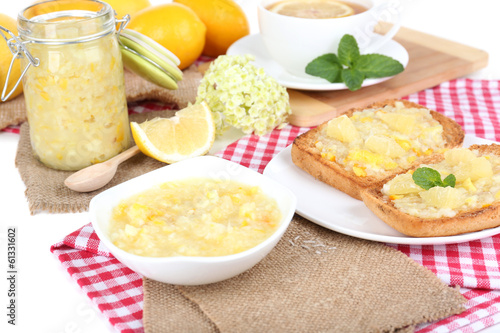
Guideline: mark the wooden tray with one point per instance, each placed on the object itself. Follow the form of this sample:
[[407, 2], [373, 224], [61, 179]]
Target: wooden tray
[[433, 60]]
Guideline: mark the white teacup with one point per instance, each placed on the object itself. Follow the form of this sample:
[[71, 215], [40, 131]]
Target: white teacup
[[293, 42]]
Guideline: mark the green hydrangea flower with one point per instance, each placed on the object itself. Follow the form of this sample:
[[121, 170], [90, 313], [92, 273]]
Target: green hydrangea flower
[[244, 96]]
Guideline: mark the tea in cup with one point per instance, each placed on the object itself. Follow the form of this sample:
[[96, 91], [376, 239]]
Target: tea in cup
[[295, 32]]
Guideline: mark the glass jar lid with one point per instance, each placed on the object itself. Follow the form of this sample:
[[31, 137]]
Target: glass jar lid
[[150, 60]]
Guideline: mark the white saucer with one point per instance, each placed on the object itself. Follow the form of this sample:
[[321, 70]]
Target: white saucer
[[253, 44]]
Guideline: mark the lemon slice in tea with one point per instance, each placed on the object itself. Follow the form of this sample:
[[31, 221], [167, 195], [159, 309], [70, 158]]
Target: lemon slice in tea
[[190, 133], [314, 9]]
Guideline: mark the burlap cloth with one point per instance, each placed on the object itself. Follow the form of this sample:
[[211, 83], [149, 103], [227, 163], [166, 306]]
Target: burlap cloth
[[315, 280], [45, 189]]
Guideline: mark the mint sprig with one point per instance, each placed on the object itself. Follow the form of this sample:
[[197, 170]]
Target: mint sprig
[[428, 178], [351, 67]]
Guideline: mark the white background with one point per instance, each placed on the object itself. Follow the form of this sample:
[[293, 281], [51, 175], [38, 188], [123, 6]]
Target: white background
[[48, 299]]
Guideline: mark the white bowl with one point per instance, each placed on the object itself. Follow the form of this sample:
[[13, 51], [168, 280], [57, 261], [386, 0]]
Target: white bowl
[[192, 270]]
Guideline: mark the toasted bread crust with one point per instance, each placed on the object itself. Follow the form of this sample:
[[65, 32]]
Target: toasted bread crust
[[469, 221], [308, 158]]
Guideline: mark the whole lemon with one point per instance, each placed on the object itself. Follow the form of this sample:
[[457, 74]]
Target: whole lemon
[[130, 7], [174, 26], [5, 59], [55, 6], [225, 21], [121, 7]]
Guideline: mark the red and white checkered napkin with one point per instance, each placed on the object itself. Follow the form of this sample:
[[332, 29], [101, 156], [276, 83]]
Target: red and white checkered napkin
[[114, 288], [474, 266]]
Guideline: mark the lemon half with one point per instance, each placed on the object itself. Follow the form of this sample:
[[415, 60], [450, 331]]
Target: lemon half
[[190, 133]]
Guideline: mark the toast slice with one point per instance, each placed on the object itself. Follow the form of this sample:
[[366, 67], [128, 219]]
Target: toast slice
[[307, 156], [479, 210]]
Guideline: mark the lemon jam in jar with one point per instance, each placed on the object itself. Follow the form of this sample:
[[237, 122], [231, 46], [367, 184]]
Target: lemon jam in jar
[[75, 96]]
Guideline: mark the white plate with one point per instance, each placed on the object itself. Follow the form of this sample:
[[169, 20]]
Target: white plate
[[335, 210], [253, 44]]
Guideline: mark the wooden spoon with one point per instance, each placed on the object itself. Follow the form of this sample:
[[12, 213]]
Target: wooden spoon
[[96, 176]]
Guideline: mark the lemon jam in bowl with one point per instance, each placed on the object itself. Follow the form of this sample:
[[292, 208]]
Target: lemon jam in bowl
[[75, 96], [194, 217], [214, 220]]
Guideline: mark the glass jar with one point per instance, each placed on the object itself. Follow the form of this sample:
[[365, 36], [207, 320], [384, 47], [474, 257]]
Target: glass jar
[[74, 93]]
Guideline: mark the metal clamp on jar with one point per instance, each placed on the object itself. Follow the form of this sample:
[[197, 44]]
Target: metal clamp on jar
[[73, 81]]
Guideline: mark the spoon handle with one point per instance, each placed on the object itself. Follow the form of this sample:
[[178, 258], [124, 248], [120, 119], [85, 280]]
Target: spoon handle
[[123, 156], [98, 175]]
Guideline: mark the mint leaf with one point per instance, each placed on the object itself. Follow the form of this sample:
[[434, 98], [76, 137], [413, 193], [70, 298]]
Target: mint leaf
[[378, 65], [326, 66], [450, 180], [348, 50], [352, 78], [428, 178], [350, 67]]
